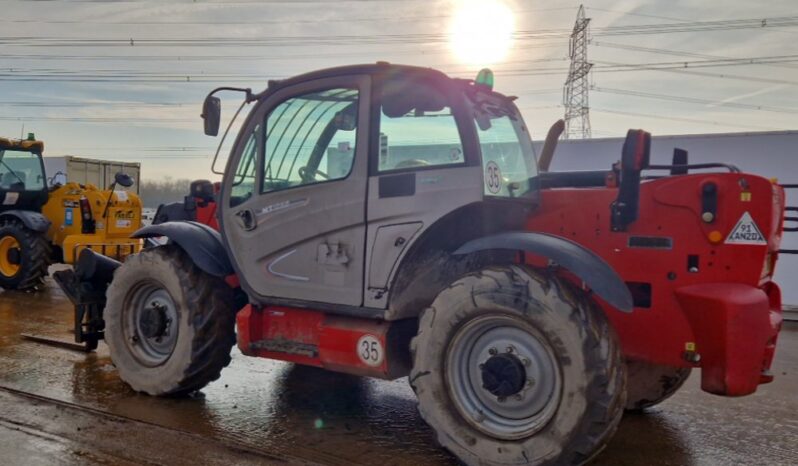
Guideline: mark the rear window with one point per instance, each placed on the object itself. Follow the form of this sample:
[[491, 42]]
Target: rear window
[[417, 127]]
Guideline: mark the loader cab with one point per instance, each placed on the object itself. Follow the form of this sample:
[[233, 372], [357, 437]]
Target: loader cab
[[22, 181], [336, 174]]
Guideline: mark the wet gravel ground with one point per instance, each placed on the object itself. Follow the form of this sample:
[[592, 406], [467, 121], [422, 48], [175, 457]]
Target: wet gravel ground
[[271, 412]]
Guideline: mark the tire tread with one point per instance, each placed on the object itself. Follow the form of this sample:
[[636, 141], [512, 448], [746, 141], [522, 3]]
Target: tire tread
[[606, 373]]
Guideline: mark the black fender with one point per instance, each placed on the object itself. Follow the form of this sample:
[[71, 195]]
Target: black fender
[[202, 243], [32, 220], [582, 262]]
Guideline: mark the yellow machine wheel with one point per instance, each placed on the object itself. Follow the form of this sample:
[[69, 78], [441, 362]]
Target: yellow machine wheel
[[9, 256], [24, 256]]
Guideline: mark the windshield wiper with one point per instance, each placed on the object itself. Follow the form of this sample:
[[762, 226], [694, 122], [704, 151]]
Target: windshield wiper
[[11, 170]]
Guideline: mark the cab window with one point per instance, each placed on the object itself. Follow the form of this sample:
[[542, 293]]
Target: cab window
[[508, 157], [417, 127], [310, 139], [244, 181], [20, 171]]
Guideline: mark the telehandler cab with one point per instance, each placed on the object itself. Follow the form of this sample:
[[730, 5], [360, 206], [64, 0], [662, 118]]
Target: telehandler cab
[[41, 225], [390, 221]]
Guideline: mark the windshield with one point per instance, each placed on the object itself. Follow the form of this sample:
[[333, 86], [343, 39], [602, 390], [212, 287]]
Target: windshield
[[20, 171], [508, 157]]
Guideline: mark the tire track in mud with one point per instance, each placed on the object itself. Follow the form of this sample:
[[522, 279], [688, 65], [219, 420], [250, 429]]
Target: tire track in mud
[[100, 435]]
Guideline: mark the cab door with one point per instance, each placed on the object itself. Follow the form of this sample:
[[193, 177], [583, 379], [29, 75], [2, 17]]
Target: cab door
[[294, 193], [424, 169]]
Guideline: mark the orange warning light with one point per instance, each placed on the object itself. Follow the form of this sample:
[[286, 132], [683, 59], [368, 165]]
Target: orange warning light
[[715, 237]]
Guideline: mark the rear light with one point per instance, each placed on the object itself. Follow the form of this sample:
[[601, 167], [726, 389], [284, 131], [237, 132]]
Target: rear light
[[86, 217]]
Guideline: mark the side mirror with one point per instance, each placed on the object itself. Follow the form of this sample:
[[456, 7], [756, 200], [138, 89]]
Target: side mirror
[[123, 179], [212, 115]]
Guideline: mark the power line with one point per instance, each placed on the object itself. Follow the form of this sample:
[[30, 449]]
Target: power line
[[98, 119], [671, 18], [411, 38], [704, 74], [694, 100], [679, 53], [280, 56], [216, 22], [94, 103], [141, 149], [135, 76], [684, 119]]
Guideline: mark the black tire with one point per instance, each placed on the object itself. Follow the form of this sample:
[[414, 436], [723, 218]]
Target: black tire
[[584, 354], [32, 257], [651, 384], [168, 362]]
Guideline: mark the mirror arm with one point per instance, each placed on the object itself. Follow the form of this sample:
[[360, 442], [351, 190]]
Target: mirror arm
[[108, 201], [248, 95], [224, 136]]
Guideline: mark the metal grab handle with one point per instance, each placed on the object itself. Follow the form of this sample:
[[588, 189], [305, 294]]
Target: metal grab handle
[[788, 218], [788, 209]]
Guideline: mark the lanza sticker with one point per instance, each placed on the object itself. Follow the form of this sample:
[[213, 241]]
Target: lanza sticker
[[745, 232]]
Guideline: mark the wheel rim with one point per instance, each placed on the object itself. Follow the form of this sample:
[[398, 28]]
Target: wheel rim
[[9, 246], [151, 324], [503, 376]]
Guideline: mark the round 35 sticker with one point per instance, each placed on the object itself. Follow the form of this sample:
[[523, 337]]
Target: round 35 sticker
[[493, 177], [370, 350]]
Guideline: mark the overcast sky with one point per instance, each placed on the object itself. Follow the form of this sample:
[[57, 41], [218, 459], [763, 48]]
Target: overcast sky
[[83, 76]]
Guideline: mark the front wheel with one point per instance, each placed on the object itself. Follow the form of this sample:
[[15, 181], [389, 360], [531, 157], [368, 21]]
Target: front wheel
[[516, 368], [169, 325], [24, 256]]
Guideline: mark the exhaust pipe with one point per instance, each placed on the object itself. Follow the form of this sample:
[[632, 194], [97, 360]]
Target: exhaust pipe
[[547, 153]]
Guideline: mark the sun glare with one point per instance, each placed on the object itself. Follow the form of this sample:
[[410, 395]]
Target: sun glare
[[481, 31]]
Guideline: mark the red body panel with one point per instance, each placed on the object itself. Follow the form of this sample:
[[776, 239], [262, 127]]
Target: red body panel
[[723, 316], [723, 309], [732, 326], [206, 214], [317, 339]]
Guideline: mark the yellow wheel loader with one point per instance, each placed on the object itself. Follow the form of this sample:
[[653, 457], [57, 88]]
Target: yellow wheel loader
[[40, 226]]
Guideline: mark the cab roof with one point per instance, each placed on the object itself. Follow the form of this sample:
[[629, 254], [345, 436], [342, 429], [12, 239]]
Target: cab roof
[[21, 144], [380, 69]]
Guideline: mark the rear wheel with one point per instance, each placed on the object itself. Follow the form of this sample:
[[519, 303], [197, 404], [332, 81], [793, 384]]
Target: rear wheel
[[24, 256], [169, 325], [511, 367], [651, 384]]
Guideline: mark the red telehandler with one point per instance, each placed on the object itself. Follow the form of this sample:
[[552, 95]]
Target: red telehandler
[[391, 221]]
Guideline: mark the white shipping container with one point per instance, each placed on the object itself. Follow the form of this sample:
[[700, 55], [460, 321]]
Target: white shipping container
[[94, 171]]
